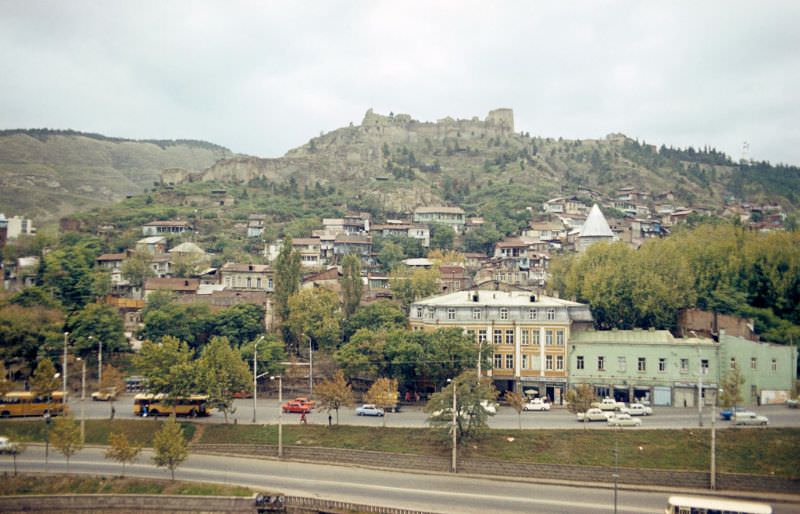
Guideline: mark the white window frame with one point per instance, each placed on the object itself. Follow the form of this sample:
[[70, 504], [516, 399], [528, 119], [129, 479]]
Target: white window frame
[[579, 362]]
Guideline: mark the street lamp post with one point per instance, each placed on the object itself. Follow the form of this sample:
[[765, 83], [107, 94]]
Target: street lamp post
[[455, 428], [83, 398], [699, 387], [99, 362], [255, 375], [66, 342], [310, 368], [280, 413]]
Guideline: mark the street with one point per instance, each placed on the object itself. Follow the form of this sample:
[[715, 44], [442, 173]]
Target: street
[[428, 492], [412, 416]]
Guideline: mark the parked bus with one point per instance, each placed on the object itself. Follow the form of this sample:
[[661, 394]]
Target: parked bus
[[146, 404], [702, 505], [27, 403]]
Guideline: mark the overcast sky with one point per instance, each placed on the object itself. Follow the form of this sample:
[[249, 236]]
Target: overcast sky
[[263, 77]]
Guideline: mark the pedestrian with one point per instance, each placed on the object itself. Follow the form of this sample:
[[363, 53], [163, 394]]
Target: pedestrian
[[113, 411], [330, 420], [144, 411], [303, 418]]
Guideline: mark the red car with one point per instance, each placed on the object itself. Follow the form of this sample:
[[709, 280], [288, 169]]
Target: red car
[[297, 407]]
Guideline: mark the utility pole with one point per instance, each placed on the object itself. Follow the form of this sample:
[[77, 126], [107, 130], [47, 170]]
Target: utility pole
[[83, 397], [280, 413], [64, 397], [455, 429], [99, 362], [699, 387], [255, 376]]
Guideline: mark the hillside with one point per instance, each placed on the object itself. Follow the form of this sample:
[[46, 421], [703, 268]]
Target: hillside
[[399, 163], [45, 174]]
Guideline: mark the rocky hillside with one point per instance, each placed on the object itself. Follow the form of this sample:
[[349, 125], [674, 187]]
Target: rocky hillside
[[45, 174], [398, 163]]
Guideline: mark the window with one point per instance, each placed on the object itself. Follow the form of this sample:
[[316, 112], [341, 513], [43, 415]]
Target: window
[[503, 313], [548, 337], [774, 364], [258, 283], [535, 336], [451, 313], [753, 363], [622, 364], [559, 362], [560, 337], [704, 366], [642, 365], [510, 361], [524, 336], [497, 337], [476, 314], [482, 336], [579, 362], [684, 365], [733, 363], [662, 365], [419, 312], [601, 363], [498, 360], [249, 282], [533, 314], [509, 337], [525, 361], [269, 283], [548, 362], [551, 314]]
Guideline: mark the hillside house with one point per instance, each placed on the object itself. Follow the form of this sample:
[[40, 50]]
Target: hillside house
[[177, 286], [255, 225], [111, 261], [154, 245], [247, 277], [156, 228], [450, 216], [404, 230], [309, 249]]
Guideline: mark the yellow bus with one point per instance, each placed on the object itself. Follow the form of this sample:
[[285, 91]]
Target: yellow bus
[[679, 504], [146, 404], [27, 403]]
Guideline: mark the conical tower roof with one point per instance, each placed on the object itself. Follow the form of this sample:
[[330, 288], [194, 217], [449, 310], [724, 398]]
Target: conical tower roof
[[596, 224]]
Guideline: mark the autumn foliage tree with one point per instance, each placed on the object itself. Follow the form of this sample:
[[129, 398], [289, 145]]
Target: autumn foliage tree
[[383, 393], [170, 446], [121, 450], [334, 393]]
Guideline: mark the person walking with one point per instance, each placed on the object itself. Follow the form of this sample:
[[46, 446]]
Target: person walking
[[303, 418]]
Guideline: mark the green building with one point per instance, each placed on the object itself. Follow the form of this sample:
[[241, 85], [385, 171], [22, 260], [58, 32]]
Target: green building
[[653, 365]]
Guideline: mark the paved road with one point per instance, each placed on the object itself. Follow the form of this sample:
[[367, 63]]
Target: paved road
[[429, 492], [412, 416]]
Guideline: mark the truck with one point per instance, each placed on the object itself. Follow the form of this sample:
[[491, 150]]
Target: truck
[[608, 404]]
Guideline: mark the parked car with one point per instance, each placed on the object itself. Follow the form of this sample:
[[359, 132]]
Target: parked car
[[793, 403], [623, 420], [594, 414], [608, 404], [637, 409], [727, 414], [104, 395], [536, 404], [245, 393], [749, 418], [369, 409], [6, 446], [297, 407], [307, 400]]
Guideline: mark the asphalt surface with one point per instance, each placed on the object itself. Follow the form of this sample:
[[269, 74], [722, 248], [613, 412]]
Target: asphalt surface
[[412, 416], [441, 493]]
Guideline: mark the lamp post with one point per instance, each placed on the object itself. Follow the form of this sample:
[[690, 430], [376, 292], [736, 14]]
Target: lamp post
[[615, 475], [699, 387], [255, 375], [66, 342], [280, 413], [455, 427], [99, 362], [83, 397], [310, 368]]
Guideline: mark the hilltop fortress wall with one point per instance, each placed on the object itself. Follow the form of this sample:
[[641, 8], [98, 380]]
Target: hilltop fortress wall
[[401, 127]]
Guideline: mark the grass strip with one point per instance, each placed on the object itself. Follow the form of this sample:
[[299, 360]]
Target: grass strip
[[68, 484]]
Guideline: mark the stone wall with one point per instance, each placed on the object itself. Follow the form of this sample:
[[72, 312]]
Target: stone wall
[[598, 474]]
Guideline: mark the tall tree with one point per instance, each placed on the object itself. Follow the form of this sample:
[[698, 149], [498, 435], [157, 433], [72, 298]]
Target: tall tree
[[170, 446], [67, 271], [352, 284], [315, 313], [101, 322], [44, 380], [136, 269], [66, 437], [5, 384], [287, 278], [29, 332], [471, 395], [383, 393], [222, 372], [517, 402], [731, 386], [121, 450], [334, 393], [374, 316], [168, 368], [408, 286]]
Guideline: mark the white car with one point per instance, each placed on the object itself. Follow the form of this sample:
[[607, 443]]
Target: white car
[[369, 409], [536, 404], [6, 446], [489, 407], [749, 418], [623, 420], [594, 414], [637, 409]]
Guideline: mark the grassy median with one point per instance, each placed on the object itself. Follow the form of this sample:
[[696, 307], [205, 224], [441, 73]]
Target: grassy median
[[67, 484], [770, 451]]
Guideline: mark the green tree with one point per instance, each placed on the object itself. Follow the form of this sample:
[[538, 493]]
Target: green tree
[[287, 278], [517, 402], [383, 393], [35, 296], [471, 416], [239, 323], [271, 353], [352, 285], [447, 353], [136, 269], [315, 313], [5, 384], [168, 368], [27, 332], [579, 399], [442, 236], [390, 254], [409, 286], [170, 446], [101, 322], [68, 271], [66, 437], [187, 322], [363, 354], [121, 450], [375, 315], [334, 393], [222, 372], [731, 388], [44, 380]]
